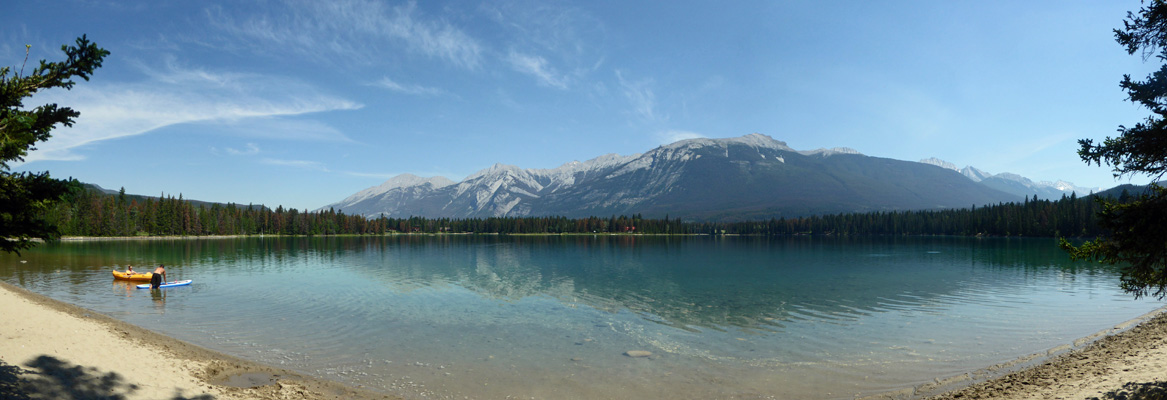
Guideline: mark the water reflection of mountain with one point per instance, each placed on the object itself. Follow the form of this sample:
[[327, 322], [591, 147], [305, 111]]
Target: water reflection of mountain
[[714, 283], [686, 282]]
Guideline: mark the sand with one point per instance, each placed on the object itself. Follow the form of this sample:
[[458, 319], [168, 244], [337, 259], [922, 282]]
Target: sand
[[53, 350], [1129, 365]]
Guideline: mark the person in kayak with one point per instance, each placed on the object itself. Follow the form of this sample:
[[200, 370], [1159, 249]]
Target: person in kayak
[[129, 270], [158, 277]]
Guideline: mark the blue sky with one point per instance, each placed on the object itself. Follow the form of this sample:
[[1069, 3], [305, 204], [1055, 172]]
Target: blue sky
[[302, 103]]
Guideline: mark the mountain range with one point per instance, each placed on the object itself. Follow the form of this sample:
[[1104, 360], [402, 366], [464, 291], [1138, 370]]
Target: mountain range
[[1017, 184], [733, 179]]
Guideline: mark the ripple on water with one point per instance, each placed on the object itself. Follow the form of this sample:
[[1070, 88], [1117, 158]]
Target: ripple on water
[[445, 318]]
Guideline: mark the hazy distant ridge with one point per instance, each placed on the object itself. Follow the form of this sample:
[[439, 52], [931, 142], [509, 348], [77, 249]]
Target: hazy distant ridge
[[1017, 184]]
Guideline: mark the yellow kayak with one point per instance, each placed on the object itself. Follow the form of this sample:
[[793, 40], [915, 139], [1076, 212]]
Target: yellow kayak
[[137, 276]]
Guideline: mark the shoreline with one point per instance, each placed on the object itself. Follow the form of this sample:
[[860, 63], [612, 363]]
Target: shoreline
[[217, 237], [1011, 378], [51, 349], [614, 234], [1123, 362], [51, 345]]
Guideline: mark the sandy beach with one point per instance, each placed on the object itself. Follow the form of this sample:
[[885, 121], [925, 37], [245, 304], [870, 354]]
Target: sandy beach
[[1129, 365], [52, 350]]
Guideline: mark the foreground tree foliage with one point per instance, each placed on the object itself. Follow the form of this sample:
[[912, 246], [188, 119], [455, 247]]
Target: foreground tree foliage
[[1136, 231], [24, 197]]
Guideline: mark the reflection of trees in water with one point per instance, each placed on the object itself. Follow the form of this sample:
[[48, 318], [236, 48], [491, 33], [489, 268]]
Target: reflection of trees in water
[[104, 255], [750, 283], [715, 283]]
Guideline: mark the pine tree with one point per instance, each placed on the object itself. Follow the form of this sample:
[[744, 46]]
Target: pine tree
[[1136, 238], [26, 197]]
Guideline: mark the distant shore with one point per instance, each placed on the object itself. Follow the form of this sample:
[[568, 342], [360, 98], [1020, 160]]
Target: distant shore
[[193, 237], [51, 349], [572, 234], [114, 238]]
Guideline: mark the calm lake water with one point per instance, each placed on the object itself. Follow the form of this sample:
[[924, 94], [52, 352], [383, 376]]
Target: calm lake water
[[551, 317]]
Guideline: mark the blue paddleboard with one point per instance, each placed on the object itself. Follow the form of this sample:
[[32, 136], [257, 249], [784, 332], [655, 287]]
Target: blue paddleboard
[[167, 284]]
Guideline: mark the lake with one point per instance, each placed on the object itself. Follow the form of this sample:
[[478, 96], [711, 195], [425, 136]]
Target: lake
[[497, 317]]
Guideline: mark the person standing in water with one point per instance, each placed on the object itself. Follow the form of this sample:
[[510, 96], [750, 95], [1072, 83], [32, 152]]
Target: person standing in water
[[158, 277]]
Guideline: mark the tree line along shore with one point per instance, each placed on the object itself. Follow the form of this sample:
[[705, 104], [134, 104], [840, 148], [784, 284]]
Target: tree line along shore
[[89, 213]]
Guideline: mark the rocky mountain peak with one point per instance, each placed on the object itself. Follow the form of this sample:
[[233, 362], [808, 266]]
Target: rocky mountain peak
[[398, 182], [757, 140], [831, 151], [939, 163], [498, 169], [751, 176], [408, 180]]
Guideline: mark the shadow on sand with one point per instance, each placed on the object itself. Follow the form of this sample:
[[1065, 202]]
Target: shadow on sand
[[51, 378], [1137, 391]]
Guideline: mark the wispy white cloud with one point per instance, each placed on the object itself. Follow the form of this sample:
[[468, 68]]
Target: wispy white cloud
[[419, 90], [555, 42], [538, 67], [250, 149], [672, 136], [174, 96], [302, 164], [554, 27], [505, 98], [283, 127], [640, 95], [355, 30]]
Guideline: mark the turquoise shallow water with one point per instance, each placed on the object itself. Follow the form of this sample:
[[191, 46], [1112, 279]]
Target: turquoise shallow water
[[550, 317]]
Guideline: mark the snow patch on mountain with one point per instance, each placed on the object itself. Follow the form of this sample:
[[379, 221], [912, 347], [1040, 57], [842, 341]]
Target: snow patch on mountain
[[1067, 187], [498, 169], [615, 182], [939, 163], [977, 175], [756, 140], [1013, 177], [830, 152], [397, 182]]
